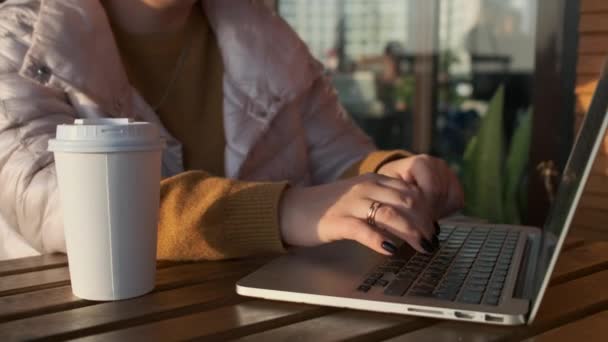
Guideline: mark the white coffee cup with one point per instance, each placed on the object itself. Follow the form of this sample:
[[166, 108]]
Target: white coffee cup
[[108, 172]]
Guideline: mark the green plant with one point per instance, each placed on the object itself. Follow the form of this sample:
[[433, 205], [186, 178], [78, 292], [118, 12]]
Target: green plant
[[492, 182], [517, 160]]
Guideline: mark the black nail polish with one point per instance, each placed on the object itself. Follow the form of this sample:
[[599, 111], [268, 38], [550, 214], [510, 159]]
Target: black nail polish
[[389, 247], [427, 246], [435, 242], [437, 228]]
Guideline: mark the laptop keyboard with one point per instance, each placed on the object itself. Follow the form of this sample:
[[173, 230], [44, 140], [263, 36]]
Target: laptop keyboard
[[470, 266]]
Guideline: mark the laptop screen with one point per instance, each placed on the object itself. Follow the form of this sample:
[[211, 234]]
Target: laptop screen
[[573, 179]]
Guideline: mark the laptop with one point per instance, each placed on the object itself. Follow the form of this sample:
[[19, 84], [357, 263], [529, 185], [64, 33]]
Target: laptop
[[487, 273]]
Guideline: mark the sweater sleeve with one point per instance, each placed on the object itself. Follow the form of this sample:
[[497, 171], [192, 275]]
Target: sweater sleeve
[[205, 217], [374, 161]]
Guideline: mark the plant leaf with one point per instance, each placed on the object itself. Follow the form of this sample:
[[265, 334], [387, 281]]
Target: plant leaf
[[515, 168], [483, 165]]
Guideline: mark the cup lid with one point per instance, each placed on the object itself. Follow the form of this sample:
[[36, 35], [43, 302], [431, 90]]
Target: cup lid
[[106, 135]]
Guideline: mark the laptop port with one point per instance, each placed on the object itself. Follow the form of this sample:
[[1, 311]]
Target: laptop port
[[494, 319], [425, 311], [464, 315]]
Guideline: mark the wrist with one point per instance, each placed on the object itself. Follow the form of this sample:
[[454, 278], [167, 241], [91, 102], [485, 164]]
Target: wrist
[[286, 213]]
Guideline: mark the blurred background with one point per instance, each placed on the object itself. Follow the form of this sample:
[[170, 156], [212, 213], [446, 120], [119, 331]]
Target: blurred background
[[452, 78]]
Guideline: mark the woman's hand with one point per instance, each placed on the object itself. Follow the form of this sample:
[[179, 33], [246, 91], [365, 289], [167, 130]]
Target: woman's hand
[[438, 183], [336, 211]]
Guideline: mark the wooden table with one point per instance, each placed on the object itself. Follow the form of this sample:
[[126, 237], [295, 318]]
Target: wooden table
[[198, 301]]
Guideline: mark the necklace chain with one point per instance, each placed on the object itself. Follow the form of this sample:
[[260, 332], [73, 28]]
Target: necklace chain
[[178, 65]]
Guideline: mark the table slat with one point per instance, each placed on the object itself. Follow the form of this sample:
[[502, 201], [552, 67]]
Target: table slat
[[219, 324], [581, 261], [589, 329], [342, 325], [32, 281], [31, 264], [572, 241], [114, 315], [61, 298]]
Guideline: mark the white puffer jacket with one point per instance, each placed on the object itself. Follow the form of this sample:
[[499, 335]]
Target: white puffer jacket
[[59, 61]]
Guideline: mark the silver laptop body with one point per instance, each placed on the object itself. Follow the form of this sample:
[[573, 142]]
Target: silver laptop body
[[486, 273]]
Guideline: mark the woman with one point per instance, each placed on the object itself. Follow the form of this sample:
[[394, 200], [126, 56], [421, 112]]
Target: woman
[[245, 109]]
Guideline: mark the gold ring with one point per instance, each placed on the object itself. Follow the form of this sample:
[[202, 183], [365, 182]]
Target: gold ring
[[371, 213]]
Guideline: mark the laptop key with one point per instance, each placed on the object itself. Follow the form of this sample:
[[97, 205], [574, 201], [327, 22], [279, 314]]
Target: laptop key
[[393, 270], [475, 288], [502, 268], [369, 281], [500, 273], [445, 295], [470, 297], [425, 292], [495, 286], [397, 264], [376, 275], [483, 269], [398, 287], [484, 263], [381, 282], [495, 293], [478, 282], [499, 279], [363, 288]]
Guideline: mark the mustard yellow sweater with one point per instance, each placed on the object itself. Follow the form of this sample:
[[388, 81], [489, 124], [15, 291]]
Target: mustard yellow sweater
[[202, 215]]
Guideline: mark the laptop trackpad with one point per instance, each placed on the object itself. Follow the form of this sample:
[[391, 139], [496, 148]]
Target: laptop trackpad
[[329, 269]]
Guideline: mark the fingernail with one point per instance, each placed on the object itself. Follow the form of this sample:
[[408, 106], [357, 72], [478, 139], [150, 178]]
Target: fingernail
[[437, 228], [427, 246], [435, 242], [389, 247]]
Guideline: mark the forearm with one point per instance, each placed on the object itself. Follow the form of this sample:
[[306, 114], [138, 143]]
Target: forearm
[[205, 217]]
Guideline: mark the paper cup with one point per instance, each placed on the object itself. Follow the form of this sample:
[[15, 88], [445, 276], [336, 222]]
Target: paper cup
[[108, 172]]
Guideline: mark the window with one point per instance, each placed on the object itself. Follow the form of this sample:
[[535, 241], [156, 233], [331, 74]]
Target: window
[[452, 78]]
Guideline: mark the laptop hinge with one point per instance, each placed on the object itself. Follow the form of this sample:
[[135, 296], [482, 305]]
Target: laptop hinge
[[524, 288]]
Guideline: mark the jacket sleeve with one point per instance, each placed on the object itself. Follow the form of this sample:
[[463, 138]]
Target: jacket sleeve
[[335, 143], [29, 199], [201, 217]]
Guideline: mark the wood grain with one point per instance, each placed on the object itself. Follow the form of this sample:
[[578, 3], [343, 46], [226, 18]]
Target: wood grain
[[594, 201], [32, 281], [593, 48], [590, 329], [593, 23], [590, 44], [593, 6], [591, 217], [590, 64], [600, 166], [114, 315], [583, 101], [581, 261], [61, 298], [31, 264], [343, 325], [572, 241], [597, 185], [585, 85], [591, 233], [220, 324]]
